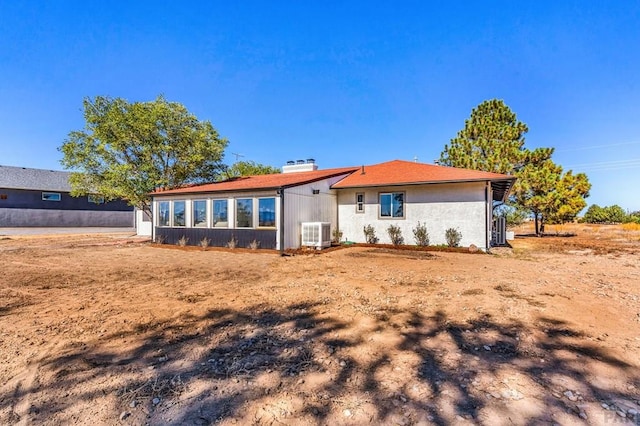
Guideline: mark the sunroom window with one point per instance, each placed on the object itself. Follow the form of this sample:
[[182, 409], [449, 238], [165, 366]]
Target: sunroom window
[[244, 213], [267, 212], [220, 214], [163, 213], [199, 213], [178, 213]]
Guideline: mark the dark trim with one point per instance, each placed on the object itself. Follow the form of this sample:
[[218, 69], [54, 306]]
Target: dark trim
[[218, 237]]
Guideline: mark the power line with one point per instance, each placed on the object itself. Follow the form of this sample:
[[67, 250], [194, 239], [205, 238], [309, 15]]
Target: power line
[[584, 148], [607, 165]]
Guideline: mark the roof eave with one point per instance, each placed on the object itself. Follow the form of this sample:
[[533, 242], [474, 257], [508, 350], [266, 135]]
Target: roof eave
[[430, 182]]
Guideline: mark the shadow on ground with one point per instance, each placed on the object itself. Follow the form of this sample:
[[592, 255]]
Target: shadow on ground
[[299, 365]]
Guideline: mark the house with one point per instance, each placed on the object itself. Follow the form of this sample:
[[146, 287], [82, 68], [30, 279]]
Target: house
[[271, 209], [37, 197]]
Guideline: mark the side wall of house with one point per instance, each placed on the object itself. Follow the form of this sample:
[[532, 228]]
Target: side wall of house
[[65, 218], [302, 205], [439, 206], [27, 208]]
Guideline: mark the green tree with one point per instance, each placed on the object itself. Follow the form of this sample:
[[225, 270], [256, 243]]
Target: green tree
[[595, 214], [552, 197], [513, 214], [127, 150], [615, 214], [249, 168], [607, 214], [492, 140]]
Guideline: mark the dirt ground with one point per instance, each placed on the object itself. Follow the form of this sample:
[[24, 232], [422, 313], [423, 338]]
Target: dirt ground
[[110, 329]]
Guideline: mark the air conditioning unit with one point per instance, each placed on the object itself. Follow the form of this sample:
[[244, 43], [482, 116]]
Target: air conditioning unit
[[316, 234], [499, 231]]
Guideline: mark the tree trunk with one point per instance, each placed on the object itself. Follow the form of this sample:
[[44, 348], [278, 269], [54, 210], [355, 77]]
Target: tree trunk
[[535, 220]]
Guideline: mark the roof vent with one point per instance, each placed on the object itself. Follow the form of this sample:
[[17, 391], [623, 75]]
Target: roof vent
[[300, 161], [290, 163], [311, 160]]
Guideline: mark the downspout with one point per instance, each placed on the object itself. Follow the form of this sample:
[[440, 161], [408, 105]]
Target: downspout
[[281, 193]]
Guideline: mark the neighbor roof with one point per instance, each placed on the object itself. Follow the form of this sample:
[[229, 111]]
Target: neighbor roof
[[262, 182], [34, 179], [399, 172]]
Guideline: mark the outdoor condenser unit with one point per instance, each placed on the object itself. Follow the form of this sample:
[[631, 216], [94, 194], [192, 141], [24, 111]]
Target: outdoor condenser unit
[[500, 231], [316, 234]]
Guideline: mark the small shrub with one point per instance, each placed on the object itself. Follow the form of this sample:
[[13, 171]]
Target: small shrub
[[395, 234], [421, 235], [204, 243], [337, 235], [254, 245], [233, 242], [370, 234], [160, 239], [183, 241], [453, 237]]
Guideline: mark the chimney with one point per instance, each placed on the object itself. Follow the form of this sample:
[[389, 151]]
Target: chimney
[[308, 165]]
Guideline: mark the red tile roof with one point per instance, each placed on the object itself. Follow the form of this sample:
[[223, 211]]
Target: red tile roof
[[398, 172], [272, 181]]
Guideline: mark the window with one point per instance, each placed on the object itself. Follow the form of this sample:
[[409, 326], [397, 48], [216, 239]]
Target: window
[[220, 219], [178, 213], [359, 202], [95, 199], [199, 213], [51, 196], [392, 204], [163, 213], [266, 212], [244, 213]]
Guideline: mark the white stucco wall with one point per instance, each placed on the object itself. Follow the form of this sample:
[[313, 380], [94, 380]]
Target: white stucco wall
[[439, 206]]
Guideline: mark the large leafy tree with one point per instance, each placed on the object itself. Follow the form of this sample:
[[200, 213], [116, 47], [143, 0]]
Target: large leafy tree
[[248, 168], [127, 150]]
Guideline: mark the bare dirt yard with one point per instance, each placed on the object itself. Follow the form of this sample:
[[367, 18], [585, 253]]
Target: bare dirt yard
[[110, 329]]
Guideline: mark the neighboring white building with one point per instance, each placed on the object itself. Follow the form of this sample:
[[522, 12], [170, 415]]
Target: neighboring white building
[[271, 209]]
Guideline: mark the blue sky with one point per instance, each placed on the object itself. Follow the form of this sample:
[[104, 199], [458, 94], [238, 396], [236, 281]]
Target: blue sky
[[346, 83]]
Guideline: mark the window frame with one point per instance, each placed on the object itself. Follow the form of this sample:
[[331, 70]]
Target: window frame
[[173, 214], [392, 194], [250, 215], [95, 199], [168, 223], [46, 196], [204, 223], [225, 202], [360, 204], [274, 213]]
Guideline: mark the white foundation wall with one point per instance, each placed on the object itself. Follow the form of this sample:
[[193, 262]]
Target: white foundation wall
[[439, 206], [302, 205]]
